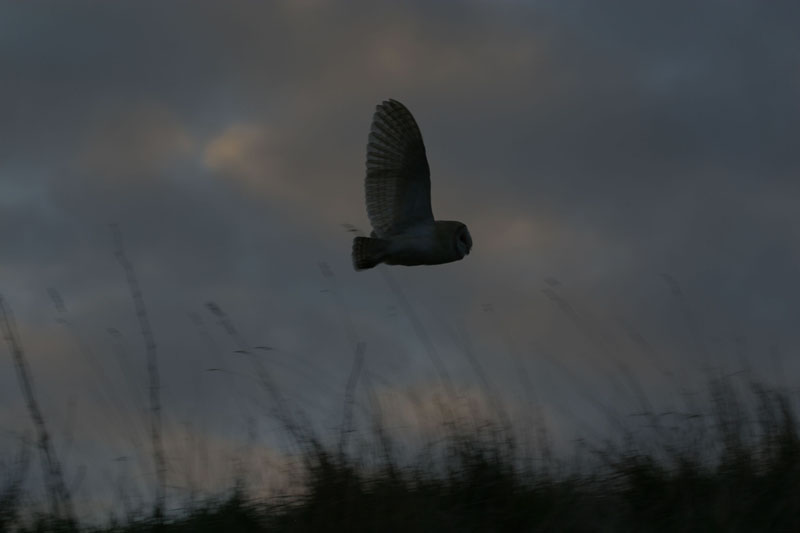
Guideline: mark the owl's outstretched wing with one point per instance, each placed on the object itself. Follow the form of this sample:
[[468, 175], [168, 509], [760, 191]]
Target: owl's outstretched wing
[[398, 183]]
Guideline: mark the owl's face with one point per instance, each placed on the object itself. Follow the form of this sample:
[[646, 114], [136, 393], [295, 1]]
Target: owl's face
[[463, 241]]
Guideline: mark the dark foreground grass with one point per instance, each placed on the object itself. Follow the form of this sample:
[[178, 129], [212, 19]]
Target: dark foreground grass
[[734, 468]]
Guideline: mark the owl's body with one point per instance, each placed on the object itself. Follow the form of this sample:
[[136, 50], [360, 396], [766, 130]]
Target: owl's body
[[399, 202], [423, 245]]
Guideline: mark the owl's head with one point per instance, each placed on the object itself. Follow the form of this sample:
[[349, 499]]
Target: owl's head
[[463, 241]]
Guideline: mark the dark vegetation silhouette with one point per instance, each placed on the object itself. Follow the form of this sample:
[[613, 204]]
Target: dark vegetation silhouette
[[58, 495], [152, 371], [728, 463]]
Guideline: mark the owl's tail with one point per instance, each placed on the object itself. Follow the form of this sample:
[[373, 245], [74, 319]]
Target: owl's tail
[[368, 252]]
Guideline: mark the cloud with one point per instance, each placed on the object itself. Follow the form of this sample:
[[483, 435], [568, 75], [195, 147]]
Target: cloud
[[233, 148], [411, 50], [247, 154], [286, 170], [136, 143]]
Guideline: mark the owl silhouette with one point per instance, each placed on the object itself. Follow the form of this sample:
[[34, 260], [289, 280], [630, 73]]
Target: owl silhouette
[[398, 190]]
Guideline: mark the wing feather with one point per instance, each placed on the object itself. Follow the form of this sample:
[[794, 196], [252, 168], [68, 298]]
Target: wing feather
[[398, 183]]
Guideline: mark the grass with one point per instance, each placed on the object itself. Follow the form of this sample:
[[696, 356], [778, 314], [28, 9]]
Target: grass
[[734, 468], [731, 466]]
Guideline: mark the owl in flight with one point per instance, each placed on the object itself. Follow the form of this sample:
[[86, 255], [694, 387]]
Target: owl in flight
[[398, 187]]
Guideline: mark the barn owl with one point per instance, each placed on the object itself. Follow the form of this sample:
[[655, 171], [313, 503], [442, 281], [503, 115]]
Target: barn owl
[[398, 187]]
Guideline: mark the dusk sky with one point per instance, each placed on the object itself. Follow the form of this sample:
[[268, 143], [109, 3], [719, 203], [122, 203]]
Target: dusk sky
[[628, 171]]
